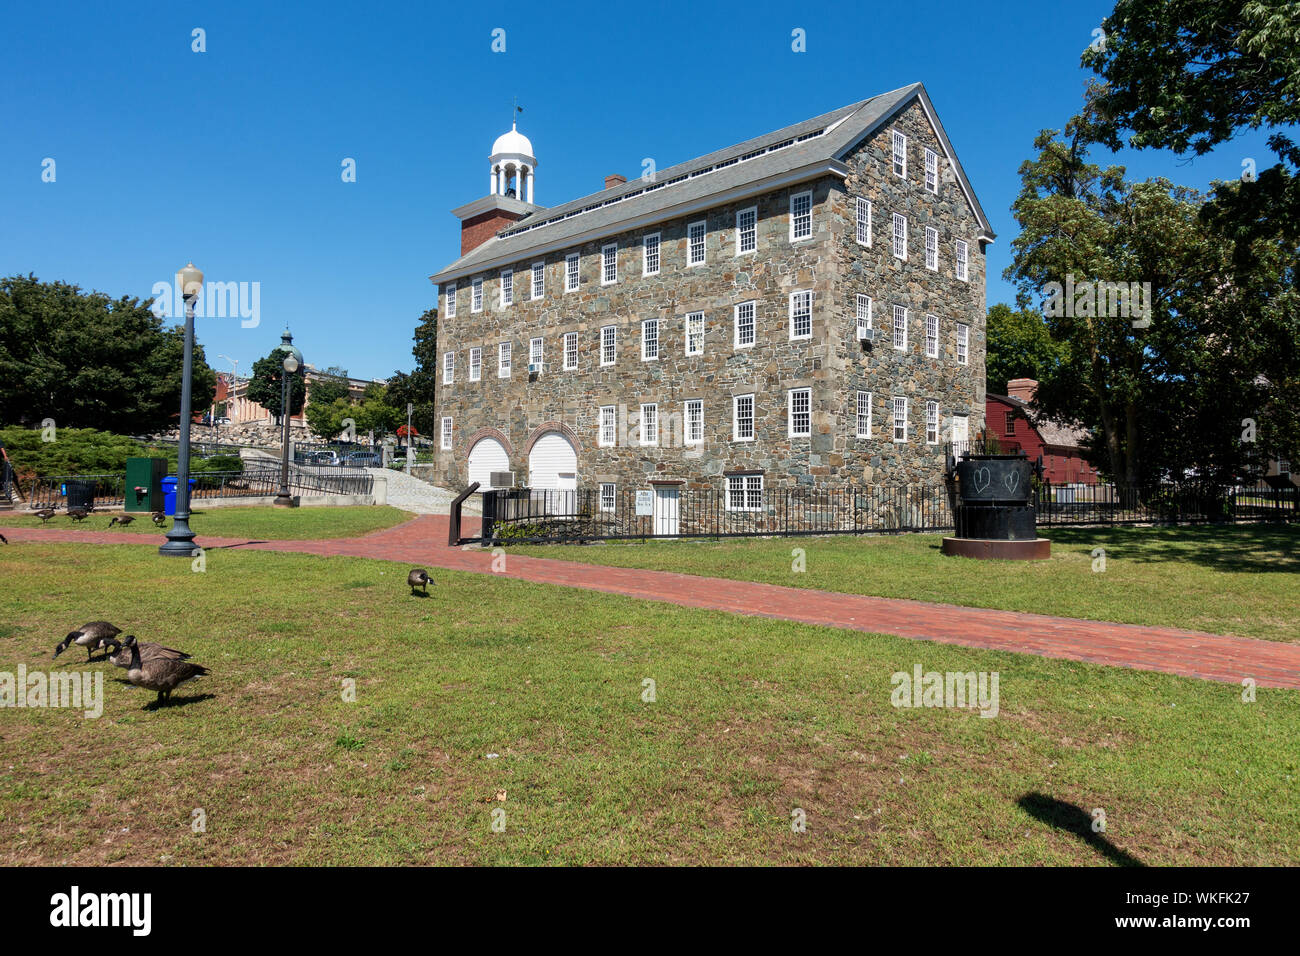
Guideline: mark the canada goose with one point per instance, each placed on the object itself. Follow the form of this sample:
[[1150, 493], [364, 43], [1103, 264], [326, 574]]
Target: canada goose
[[162, 674], [419, 578], [123, 520], [120, 652], [78, 514], [45, 514], [158, 518], [91, 636], [4, 539]]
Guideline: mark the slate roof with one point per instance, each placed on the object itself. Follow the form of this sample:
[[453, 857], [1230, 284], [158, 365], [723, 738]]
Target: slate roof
[[823, 140]]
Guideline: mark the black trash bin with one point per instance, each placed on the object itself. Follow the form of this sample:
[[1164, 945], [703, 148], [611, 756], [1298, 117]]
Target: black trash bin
[[81, 494]]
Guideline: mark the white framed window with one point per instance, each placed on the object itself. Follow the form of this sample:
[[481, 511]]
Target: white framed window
[[650, 255], [900, 419], [932, 336], [503, 360], [899, 143], [608, 339], [746, 230], [535, 352], [570, 351], [931, 248], [863, 423], [695, 243], [650, 340], [475, 364], [571, 263], [451, 300], [507, 287], [931, 170], [609, 263], [801, 314], [449, 367], [539, 280], [963, 343], [742, 418], [693, 422], [446, 434], [862, 214], [932, 423], [900, 328], [607, 437], [746, 332], [862, 314], [607, 496], [649, 426], [900, 237], [801, 216], [799, 407], [744, 492], [476, 295], [963, 266], [695, 333], [1284, 467]]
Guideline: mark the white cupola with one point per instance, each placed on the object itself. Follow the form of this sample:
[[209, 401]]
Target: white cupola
[[512, 164]]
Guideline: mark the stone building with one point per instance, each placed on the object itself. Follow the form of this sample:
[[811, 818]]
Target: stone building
[[802, 309]]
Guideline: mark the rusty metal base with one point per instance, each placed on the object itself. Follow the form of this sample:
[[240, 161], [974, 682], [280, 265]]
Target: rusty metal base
[[990, 549]]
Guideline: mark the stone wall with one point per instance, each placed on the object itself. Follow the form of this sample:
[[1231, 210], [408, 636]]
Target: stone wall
[[831, 363]]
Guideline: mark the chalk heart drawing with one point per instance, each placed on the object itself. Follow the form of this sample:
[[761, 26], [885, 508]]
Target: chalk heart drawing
[[981, 480], [1011, 479]]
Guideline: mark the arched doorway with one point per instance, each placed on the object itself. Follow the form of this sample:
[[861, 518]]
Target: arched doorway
[[487, 455], [553, 462]]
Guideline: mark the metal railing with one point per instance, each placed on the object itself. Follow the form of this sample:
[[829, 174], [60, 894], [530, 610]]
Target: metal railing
[[109, 490], [682, 511]]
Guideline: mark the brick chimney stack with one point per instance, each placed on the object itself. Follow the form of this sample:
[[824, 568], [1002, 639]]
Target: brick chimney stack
[[1023, 389], [615, 180]]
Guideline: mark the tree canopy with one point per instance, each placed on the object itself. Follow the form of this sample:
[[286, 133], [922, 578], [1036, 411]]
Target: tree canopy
[[264, 385], [1019, 346], [88, 361]]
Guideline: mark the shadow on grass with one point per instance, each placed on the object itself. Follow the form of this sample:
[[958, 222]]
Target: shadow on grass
[[178, 702], [1222, 547], [1072, 819]]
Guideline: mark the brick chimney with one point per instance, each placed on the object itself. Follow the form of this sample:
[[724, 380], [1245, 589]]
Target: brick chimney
[[615, 180], [1023, 389]]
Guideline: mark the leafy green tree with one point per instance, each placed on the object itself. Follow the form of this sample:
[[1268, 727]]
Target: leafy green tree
[[420, 387], [86, 360], [1019, 346], [264, 385], [328, 392]]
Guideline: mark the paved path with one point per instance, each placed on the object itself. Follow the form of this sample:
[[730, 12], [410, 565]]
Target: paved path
[[423, 540]]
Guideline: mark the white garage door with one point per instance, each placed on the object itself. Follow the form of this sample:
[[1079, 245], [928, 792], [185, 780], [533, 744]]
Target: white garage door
[[553, 463], [487, 455]]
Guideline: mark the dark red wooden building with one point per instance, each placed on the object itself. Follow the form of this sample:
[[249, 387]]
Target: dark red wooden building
[[1020, 427]]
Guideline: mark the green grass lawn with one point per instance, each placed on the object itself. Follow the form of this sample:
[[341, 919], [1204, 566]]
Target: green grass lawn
[[1240, 579], [264, 522], [754, 718]]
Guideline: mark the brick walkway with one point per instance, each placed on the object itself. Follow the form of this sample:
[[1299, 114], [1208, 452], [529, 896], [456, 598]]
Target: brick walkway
[[423, 540]]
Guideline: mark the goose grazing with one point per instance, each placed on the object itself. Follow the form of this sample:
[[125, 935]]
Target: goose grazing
[[123, 520], [419, 578], [78, 514], [163, 674], [91, 636], [4, 539], [45, 514], [120, 652], [158, 518]]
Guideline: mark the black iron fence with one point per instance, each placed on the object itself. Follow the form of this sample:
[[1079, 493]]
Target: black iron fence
[[682, 511], [109, 490]]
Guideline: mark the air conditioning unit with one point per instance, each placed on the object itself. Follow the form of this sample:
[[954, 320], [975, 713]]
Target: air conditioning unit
[[534, 368], [868, 335], [501, 479]]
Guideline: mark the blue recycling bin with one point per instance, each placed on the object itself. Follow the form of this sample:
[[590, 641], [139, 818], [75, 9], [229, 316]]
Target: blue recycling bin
[[169, 494]]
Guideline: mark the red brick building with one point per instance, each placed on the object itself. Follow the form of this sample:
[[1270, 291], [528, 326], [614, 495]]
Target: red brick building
[[1020, 427]]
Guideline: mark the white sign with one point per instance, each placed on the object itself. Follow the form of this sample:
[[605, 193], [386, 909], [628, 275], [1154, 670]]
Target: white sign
[[645, 503]]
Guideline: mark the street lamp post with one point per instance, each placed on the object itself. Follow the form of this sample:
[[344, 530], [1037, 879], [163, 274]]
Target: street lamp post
[[290, 365], [180, 539]]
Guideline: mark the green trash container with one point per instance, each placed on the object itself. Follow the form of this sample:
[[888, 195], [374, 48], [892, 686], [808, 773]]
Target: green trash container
[[144, 484]]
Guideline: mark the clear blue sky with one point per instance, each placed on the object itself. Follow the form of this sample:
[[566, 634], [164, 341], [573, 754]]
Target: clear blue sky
[[232, 157]]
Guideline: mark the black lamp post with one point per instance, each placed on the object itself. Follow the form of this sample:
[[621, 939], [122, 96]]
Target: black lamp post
[[180, 539], [290, 366]]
